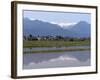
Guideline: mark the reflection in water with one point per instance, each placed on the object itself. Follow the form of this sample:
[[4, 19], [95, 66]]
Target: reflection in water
[[53, 60], [54, 48]]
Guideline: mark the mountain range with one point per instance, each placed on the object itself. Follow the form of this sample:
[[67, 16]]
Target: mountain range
[[39, 27]]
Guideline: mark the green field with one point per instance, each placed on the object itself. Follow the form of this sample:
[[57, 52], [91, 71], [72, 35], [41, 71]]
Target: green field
[[50, 51], [54, 43]]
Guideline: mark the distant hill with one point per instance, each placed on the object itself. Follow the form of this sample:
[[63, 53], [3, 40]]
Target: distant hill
[[82, 28], [38, 27]]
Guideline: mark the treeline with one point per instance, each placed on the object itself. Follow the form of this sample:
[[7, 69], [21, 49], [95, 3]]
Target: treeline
[[58, 37]]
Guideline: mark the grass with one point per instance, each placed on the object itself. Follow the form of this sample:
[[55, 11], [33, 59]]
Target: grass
[[54, 43], [52, 51]]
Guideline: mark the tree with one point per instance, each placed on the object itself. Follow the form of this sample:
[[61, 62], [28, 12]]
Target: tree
[[30, 37], [59, 37], [25, 38], [71, 39]]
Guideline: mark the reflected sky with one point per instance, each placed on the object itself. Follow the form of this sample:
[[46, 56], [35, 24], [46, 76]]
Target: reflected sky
[[53, 60]]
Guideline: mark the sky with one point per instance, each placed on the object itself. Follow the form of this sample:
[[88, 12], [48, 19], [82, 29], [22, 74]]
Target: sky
[[61, 18]]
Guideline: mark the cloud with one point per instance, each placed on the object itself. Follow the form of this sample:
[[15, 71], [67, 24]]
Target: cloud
[[61, 24], [66, 24], [32, 19]]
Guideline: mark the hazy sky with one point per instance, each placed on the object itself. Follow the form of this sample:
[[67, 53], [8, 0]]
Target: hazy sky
[[57, 17]]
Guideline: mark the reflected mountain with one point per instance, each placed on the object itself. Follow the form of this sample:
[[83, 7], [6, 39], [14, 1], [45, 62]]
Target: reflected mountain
[[40, 57], [53, 60]]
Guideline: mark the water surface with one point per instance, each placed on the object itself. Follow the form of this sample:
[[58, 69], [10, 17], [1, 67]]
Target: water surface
[[54, 60], [53, 48]]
